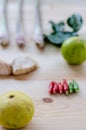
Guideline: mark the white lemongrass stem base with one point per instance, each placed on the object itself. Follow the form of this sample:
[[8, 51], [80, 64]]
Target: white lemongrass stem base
[[4, 40], [38, 32], [20, 39]]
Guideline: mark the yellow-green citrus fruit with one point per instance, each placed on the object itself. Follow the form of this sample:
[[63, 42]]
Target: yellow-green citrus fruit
[[16, 109], [74, 50]]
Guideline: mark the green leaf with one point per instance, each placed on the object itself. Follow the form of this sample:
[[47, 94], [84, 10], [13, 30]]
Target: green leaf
[[75, 22], [59, 35], [58, 38], [58, 27]]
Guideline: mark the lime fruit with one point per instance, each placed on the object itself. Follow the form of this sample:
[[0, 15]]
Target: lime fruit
[[74, 50], [16, 109]]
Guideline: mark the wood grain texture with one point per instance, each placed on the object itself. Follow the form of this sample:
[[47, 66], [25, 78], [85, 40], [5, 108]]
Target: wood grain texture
[[64, 113]]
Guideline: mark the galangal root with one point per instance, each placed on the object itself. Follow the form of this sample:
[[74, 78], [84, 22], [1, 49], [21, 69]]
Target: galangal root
[[19, 66]]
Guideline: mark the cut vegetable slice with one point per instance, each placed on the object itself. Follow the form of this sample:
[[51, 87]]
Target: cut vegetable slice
[[23, 65], [5, 69]]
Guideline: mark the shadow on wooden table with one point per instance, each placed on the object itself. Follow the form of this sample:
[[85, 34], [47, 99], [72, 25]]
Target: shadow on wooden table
[[29, 75], [24, 128], [69, 71], [29, 126]]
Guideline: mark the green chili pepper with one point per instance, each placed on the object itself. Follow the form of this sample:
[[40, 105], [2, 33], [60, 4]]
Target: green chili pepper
[[76, 86], [71, 88]]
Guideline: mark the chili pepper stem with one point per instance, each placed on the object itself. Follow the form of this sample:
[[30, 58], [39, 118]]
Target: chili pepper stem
[[71, 91], [77, 90], [67, 93]]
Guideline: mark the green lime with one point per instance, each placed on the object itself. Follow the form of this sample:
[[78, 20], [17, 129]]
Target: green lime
[[74, 50]]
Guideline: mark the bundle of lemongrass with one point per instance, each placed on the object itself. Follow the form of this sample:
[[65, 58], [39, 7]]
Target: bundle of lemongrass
[[20, 37], [4, 34]]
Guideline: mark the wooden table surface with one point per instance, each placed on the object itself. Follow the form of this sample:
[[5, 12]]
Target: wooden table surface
[[64, 113]]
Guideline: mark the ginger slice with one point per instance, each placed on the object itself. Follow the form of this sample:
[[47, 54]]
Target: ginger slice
[[5, 69], [23, 65]]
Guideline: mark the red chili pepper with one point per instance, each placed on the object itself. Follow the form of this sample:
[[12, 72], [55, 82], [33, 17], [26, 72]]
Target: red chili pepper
[[60, 86], [65, 87], [56, 88], [51, 86]]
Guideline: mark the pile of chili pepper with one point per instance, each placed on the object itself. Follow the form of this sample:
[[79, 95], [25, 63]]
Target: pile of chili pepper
[[63, 87]]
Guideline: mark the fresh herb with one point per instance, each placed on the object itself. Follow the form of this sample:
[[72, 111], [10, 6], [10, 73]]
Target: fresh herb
[[59, 34], [58, 38], [58, 27], [75, 22]]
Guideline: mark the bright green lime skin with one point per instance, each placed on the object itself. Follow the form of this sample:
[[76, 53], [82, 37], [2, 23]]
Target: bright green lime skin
[[74, 50]]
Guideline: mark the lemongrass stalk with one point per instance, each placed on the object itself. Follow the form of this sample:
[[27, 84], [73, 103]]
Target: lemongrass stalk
[[20, 39], [38, 32], [4, 40]]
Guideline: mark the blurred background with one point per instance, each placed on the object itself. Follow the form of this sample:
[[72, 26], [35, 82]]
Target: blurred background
[[73, 2], [77, 2], [55, 10]]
